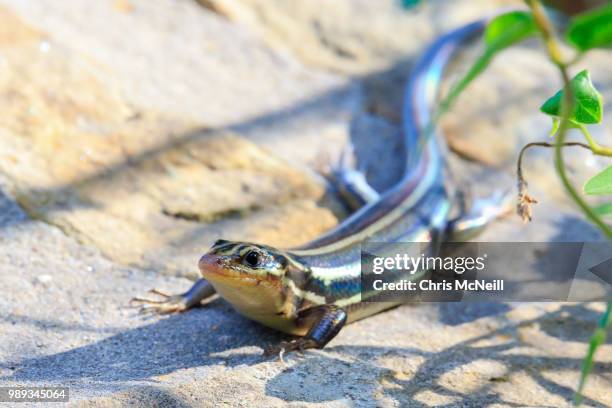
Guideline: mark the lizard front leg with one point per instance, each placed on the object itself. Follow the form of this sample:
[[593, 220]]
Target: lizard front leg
[[326, 322], [200, 290]]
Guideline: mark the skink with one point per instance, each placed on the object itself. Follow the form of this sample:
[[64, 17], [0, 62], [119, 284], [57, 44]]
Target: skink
[[314, 290]]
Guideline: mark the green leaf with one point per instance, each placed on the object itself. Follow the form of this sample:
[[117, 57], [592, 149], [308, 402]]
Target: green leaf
[[592, 29], [556, 123], [508, 29], [555, 126], [587, 105], [597, 339], [501, 32], [604, 209], [600, 184]]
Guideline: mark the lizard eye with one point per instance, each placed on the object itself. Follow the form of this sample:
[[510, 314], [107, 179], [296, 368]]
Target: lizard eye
[[252, 259]]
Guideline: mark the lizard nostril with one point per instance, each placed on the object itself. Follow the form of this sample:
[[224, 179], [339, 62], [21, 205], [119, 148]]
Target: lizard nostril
[[208, 260]]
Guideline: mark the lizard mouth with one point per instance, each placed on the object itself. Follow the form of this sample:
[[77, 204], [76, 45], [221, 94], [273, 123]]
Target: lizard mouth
[[216, 269]]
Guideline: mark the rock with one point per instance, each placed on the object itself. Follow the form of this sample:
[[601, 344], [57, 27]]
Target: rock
[[350, 37], [80, 333], [134, 133], [133, 180], [499, 113]]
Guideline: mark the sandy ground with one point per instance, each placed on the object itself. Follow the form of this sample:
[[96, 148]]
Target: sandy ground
[[137, 132]]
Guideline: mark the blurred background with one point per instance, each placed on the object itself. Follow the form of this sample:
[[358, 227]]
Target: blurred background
[[150, 129], [134, 133]]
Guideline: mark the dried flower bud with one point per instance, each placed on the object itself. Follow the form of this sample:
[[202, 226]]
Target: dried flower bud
[[523, 206]]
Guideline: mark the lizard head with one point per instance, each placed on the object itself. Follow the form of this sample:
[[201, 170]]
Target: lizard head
[[243, 264], [253, 278]]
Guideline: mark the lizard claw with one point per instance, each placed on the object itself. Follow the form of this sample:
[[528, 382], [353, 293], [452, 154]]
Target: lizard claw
[[287, 346], [167, 305], [279, 350], [160, 293]]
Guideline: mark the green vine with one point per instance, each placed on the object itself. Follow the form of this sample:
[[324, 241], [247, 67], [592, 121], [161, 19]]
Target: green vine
[[567, 107], [578, 104], [595, 147], [554, 53]]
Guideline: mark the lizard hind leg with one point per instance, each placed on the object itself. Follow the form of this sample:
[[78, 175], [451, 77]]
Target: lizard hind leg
[[349, 182], [473, 220]]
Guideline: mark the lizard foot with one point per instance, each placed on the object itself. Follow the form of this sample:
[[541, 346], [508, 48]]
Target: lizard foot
[[167, 305], [283, 347]]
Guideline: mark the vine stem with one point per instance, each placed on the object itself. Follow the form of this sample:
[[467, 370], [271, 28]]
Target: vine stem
[[519, 163], [524, 202], [553, 48], [595, 147], [554, 52]]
